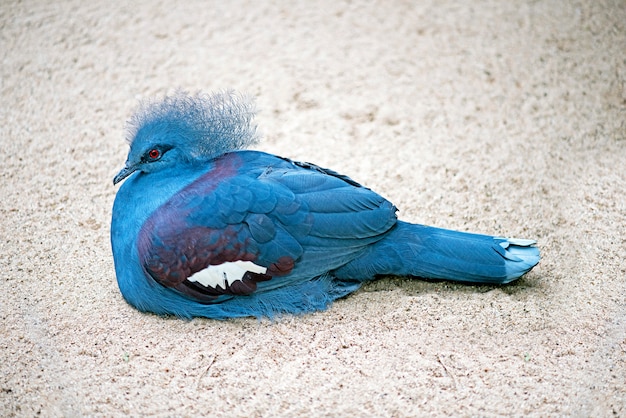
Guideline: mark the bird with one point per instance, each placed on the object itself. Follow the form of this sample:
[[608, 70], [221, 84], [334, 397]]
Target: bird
[[204, 226]]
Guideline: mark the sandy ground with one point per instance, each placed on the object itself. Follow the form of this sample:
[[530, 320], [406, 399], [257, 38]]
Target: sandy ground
[[499, 118]]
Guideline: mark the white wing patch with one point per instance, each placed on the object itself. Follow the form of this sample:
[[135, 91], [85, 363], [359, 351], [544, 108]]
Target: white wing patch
[[226, 273]]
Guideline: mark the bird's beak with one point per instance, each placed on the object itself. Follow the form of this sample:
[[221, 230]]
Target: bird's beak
[[125, 172]]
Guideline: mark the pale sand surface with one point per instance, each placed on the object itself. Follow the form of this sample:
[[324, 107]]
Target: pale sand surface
[[498, 117]]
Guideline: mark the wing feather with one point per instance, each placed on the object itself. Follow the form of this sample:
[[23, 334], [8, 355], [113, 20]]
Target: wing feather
[[299, 221]]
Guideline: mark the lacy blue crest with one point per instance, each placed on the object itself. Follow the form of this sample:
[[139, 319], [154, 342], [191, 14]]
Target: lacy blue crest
[[205, 125]]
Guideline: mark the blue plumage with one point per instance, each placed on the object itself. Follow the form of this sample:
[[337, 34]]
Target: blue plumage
[[203, 227]]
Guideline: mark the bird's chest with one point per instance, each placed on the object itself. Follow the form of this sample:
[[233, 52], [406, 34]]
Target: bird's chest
[[139, 198]]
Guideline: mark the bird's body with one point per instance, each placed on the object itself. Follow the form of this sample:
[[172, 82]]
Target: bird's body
[[203, 227]]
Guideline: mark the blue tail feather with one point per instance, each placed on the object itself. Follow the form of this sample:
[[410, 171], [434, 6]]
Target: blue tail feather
[[435, 253]]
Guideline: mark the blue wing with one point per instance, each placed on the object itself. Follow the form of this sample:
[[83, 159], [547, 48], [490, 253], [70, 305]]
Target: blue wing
[[296, 220]]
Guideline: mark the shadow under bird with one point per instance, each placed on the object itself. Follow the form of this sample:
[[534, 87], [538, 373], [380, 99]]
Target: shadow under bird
[[204, 227]]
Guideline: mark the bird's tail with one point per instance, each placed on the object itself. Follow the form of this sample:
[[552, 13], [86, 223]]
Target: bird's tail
[[435, 253]]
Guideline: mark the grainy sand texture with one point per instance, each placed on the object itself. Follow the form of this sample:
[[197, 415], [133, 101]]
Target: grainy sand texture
[[506, 118]]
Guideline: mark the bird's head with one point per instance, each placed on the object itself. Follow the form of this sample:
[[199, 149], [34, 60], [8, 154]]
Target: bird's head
[[187, 129]]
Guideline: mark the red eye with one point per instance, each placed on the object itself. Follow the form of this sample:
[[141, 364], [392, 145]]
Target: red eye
[[154, 154]]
